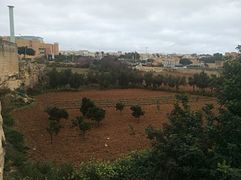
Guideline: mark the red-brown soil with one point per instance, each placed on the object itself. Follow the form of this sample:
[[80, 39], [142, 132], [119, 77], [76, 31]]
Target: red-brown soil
[[107, 142]]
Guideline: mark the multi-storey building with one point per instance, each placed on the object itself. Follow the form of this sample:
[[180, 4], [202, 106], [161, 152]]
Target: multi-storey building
[[38, 45]]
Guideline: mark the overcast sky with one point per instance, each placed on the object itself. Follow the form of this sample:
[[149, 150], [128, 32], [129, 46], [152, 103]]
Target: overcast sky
[[166, 26]]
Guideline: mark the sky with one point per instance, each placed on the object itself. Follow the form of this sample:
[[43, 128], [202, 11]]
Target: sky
[[160, 26]]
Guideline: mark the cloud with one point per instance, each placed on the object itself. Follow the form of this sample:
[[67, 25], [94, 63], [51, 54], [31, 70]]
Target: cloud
[[173, 26]]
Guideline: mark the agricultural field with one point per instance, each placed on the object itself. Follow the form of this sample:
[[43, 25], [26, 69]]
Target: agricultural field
[[118, 134]]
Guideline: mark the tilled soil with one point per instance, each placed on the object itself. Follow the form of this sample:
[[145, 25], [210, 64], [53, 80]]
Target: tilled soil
[[111, 140]]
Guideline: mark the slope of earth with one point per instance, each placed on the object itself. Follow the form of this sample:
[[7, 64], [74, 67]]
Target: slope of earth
[[113, 139]]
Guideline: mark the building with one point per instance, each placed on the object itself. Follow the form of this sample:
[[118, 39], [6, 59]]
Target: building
[[38, 45]]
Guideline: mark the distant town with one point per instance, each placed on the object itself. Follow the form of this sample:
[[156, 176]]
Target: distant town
[[142, 61]]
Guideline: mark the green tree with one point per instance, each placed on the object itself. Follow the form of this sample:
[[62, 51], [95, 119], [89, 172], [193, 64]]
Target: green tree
[[185, 61], [119, 106], [137, 111], [26, 51], [81, 124], [238, 48], [230, 94], [96, 114], [217, 57], [201, 80], [148, 78], [191, 82], [180, 146], [55, 115], [53, 128], [86, 105]]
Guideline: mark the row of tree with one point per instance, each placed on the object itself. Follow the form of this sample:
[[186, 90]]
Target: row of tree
[[67, 78]]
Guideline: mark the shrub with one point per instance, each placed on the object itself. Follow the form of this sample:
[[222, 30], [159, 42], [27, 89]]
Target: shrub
[[119, 106], [81, 124], [137, 111], [96, 114], [86, 104]]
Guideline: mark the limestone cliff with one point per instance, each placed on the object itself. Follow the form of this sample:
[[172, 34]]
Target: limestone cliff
[[2, 142], [30, 73]]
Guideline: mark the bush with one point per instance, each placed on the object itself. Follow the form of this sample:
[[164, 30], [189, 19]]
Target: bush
[[119, 106], [86, 104], [81, 124], [137, 111], [96, 114]]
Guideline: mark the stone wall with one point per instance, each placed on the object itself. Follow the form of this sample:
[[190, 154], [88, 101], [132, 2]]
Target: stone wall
[[9, 68], [2, 142]]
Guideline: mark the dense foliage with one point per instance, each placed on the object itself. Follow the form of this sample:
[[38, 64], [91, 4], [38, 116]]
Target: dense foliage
[[111, 73], [137, 111], [81, 124], [185, 61], [26, 51], [54, 126], [91, 111]]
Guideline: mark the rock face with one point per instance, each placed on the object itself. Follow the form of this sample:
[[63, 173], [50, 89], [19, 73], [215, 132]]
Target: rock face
[[2, 142], [30, 73]]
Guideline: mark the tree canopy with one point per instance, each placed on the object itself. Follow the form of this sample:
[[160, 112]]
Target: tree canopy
[[26, 51]]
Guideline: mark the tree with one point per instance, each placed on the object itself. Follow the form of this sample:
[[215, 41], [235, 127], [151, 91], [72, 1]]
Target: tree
[[119, 106], [137, 111], [86, 105], [26, 51], [54, 126], [201, 80], [230, 94], [179, 81], [81, 124], [180, 146], [148, 78], [191, 82], [185, 61], [96, 114], [217, 57], [57, 113], [201, 144], [238, 48]]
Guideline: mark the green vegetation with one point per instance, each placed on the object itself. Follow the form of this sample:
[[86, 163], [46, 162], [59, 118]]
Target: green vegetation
[[212, 59], [96, 114], [26, 51], [86, 105], [81, 124], [200, 144], [137, 111], [119, 106], [91, 111], [185, 61], [54, 126], [130, 56]]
